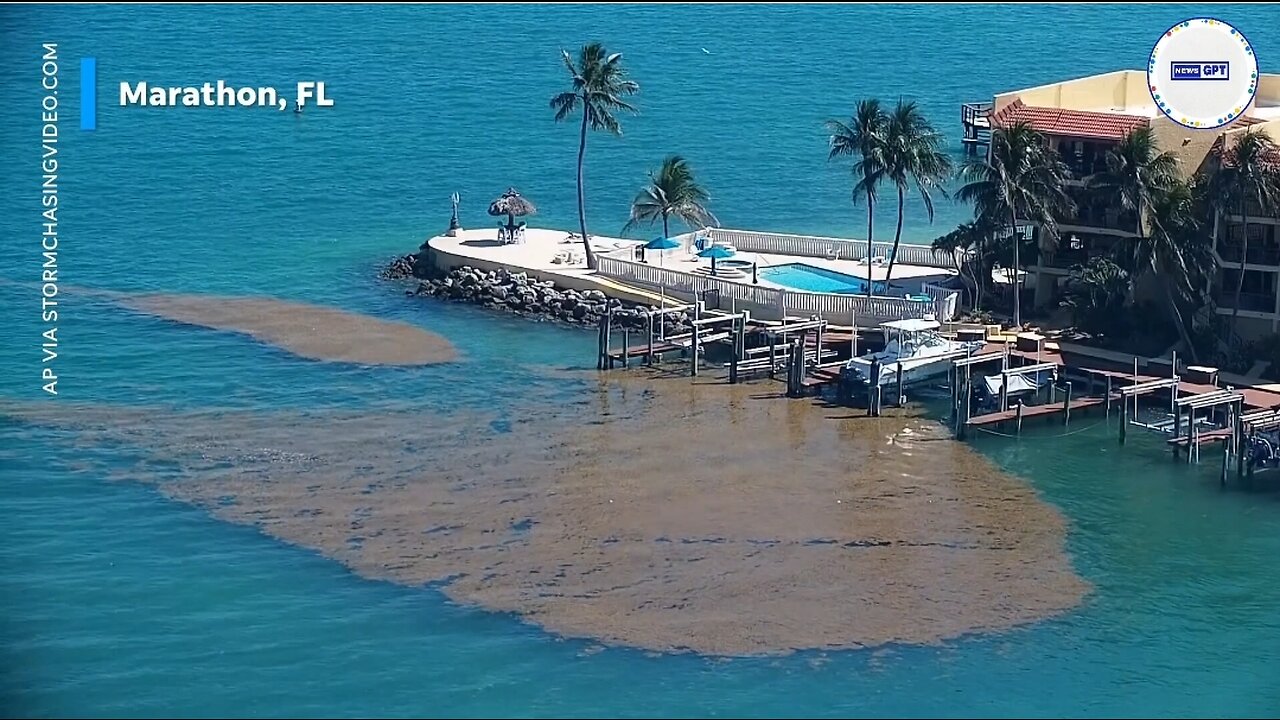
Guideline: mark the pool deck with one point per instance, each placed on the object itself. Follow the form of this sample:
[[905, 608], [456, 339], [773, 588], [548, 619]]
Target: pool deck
[[541, 246]]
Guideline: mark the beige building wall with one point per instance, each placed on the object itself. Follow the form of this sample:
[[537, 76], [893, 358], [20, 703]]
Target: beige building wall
[[1122, 88], [1191, 146]]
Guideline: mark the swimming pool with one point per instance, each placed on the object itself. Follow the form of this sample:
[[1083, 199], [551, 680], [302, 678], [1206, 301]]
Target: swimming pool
[[809, 278]]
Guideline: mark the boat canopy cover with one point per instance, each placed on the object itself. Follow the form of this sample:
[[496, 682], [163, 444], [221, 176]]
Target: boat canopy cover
[[1017, 384], [912, 325]]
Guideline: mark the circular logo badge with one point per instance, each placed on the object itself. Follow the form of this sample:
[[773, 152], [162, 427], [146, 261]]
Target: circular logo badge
[[1202, 73]]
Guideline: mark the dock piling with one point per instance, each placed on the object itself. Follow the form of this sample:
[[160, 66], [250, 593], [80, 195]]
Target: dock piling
[[1018, 418], [626, 347], [1124, 418], [648, 358], [1066, 406]]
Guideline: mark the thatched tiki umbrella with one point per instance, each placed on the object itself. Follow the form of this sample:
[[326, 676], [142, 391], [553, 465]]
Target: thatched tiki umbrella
[[511, 203]]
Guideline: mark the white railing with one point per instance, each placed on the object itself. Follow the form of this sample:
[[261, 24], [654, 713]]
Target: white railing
[[946, 301], [776, 303], [831, 248]]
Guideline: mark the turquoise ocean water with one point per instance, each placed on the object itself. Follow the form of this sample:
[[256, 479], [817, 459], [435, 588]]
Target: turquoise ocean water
[[116, 601]]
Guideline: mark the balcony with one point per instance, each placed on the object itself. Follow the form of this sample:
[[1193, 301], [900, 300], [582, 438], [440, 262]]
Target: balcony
[[1257, 255], [1082, 166], [1093, 215], [1251, 301]]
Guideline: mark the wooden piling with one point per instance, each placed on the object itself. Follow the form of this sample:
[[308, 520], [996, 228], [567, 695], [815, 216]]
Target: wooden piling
[[1226, 459], [968, 402], [897, 400], [1066, 406], [1191, 436], [1124, 419], [1240, 446], [626, 346], [1018, 418], [1177, 428], [648, 358], [608, 336], [773, 354], [693, 357], [600, 345], [1107, 402]]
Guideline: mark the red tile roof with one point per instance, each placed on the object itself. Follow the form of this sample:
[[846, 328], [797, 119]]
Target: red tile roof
[[1068, 123]]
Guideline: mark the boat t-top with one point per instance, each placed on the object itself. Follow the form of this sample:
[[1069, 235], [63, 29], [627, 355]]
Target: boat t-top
[[914, 346]]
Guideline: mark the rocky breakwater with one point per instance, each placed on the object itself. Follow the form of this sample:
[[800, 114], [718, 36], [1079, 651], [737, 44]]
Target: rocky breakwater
[[518, 293]]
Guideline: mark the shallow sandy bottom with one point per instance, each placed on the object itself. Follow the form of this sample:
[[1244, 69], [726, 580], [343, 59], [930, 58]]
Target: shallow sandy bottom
[[311, 331], [656, 513]]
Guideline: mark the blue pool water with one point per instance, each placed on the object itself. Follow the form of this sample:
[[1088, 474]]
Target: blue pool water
[[810, 278], [116, 601]]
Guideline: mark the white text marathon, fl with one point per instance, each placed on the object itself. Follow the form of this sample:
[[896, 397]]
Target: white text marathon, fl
[[220, 94], [48, 273]]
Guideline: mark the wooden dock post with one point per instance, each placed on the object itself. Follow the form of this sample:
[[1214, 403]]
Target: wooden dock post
[[968, 400], [1191, 436], [773, 355], [1066, 406], [648, 358], [608, 336], [818, 341], [626, 347], [1173, 391], [1240, 446], [873, 390], [1004, 392], [853, 336], [693, 357], [897, 400], [600, 348], [733, 361], [1107, 402], [1177, 427], [1135, 382], [1018, 418], [1124, 418], [953, 374], [1053, 393], [1226, 459]]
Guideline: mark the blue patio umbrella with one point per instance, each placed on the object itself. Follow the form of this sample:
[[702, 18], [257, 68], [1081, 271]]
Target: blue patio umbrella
[[661, 243], [716, 252]]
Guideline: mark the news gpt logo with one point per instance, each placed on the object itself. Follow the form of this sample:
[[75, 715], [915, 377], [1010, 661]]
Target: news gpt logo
[[1202, 73]]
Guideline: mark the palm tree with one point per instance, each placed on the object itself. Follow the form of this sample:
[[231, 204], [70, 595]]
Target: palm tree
[[912, 154], [863, 136], [973, 240], [672, 190], [599, 85], [1167, 251], [1249, 174], [1137, 174], [1021, 177]]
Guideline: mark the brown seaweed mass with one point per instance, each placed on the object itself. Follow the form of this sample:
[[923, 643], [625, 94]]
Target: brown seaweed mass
[[310, 331], [657, 513]]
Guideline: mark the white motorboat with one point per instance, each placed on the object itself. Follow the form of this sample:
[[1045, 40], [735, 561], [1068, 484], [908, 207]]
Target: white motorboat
[[915, 348]]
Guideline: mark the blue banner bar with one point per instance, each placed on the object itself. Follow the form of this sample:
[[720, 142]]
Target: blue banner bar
[[89, 93]]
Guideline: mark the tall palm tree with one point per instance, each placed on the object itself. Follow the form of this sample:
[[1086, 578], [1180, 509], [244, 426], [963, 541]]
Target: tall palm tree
[[1167, 252], [600, 84], [1248, 173], [912, 155], [1136, 173], [672, 190], [863, 136], [1021, 178]]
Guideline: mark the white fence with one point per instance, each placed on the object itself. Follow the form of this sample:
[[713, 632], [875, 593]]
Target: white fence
[[775, 303], [831, 248]]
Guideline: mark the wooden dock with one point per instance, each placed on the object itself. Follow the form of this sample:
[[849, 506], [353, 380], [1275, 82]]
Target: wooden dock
[[1034, 411]]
